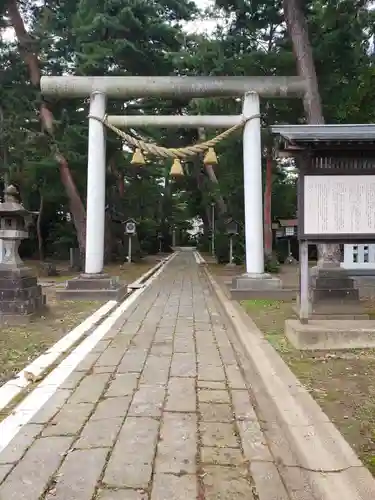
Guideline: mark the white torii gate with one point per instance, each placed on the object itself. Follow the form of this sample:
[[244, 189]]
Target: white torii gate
[[249, 88]]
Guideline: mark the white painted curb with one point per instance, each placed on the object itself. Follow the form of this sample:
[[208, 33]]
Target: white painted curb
[[198, 258], [139, 282], [17, 384], [12, 424]]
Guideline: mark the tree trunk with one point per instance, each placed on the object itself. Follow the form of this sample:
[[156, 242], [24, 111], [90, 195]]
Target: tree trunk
[[76, 207], [213, 179], [39, 227], [108, 238], [298, 32], [267, 207]]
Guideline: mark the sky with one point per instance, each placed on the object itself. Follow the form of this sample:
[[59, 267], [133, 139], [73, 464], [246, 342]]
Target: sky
[[199, 26]]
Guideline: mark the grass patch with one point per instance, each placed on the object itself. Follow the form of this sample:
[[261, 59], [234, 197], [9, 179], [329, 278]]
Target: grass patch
[[19, 345]]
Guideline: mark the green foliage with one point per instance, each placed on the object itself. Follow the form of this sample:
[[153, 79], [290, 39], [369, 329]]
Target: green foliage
[[271, 264]]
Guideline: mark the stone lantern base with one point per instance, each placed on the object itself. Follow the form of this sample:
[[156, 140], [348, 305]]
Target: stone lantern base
[[334, 295], [21, 297]]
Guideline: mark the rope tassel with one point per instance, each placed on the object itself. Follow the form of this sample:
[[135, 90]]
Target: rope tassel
[[176, 169], [138, 158], [210, 157]]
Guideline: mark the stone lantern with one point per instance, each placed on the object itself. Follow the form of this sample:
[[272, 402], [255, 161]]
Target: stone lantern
[[232, 230], [20, 294]]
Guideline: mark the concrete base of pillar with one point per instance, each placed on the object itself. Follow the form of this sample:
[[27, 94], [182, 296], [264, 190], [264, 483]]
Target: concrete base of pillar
[[92, 287], [259, 286], [330, 334]]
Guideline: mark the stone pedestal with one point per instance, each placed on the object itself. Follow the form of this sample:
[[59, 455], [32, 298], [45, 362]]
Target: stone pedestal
[[330, 334], [92, 287], [333, 295], [21, 297], [258, 286]]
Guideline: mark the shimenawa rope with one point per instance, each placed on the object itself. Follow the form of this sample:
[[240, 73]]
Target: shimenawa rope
[[182, 153]]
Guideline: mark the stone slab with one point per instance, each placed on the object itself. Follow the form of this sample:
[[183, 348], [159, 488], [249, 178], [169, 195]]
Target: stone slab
[[268, 483], [218, 434], [4, 471], [243, 408], [235, 377], [21, 319], [342, 314], [171, 487], [147, 402], [221, 456], [122, 495], [29, 479], [254, 443], [256, 282], [111, 408], [156, 370], [130, 465], [286, 294], [213, 396], [18, 446], [177, 448], [209, 371], [124, 384], [183, 365], [90, 389], [181, 396], [331, 334], [99, 433], [261, 287], [211, 384], [222, 483], [75, 480], [216, 412], [99, 294], [69, 420]]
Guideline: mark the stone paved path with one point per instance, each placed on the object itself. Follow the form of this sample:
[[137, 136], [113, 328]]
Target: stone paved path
[[158, 411]]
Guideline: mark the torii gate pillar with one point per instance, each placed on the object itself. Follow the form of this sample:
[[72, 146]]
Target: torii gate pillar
[[95, 211], [255, 281]]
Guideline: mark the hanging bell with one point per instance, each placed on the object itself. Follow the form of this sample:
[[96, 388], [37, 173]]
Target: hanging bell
[[176, 169], [138, 158], [210, 157]]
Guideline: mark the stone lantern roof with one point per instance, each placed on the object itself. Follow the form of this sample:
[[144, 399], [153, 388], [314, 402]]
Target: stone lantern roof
[[11, 205]]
